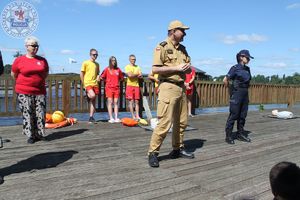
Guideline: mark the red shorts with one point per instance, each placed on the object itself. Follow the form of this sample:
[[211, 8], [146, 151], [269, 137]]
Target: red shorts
[[132, 93], [94, 88], [112, 93], [190, 91]]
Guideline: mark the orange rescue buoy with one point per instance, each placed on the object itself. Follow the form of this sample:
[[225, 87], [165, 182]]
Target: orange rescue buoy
[[129, 122]]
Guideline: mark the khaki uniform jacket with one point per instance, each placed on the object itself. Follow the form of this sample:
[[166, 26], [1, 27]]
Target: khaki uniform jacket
[[166, 54]]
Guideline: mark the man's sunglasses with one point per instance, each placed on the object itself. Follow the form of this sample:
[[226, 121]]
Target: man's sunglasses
[[34, 45], [181, 29], [94, 54]]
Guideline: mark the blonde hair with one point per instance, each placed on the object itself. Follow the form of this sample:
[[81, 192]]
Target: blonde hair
[[31, 39]]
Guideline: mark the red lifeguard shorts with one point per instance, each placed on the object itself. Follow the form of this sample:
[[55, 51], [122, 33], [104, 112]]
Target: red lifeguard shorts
[[112, 93], [190, 91], [94, 88], [132, 93]]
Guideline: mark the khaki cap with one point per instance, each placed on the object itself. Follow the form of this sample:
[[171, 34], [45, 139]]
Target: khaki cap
[[177, 24]]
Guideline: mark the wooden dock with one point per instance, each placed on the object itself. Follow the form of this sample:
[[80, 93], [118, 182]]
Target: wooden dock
[[108, 161]]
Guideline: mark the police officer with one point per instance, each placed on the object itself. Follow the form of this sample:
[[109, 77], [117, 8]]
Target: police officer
[[239, 99], [171, 61]]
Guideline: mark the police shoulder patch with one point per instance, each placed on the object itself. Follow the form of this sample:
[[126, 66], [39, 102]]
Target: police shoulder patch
[[164, 43], [169, 51]]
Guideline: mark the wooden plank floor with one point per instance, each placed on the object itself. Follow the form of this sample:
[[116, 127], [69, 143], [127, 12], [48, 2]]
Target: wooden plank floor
[[108, 161]]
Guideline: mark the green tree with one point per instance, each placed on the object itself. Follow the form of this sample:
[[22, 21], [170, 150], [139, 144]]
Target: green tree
[[289, 80], [17, 54], [296, 78], [275, 79], [260, 79], [7, 69], [219, 78]]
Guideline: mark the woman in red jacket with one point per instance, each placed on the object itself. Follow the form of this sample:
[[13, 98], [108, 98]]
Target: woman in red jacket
[[30, 72], [189, 84]]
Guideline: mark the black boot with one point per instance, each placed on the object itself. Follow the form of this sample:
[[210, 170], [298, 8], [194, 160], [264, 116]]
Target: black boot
[[243, 137], [229, 137], [181, 153], [153, 160]]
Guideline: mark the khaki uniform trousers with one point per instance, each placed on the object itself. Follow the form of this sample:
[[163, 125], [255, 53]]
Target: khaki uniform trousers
[[171, 109]]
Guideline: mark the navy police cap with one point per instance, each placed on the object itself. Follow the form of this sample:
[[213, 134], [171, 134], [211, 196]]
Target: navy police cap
[[245, 53]]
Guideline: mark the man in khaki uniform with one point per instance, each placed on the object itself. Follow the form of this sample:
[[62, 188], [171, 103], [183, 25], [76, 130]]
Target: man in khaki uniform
[[171, 62]]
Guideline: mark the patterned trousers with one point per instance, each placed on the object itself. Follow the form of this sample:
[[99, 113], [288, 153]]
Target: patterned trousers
[[33, 108]]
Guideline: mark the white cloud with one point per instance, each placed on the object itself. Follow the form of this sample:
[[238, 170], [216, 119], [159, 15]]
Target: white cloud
[[67, 52], [294, 49], [232, 39], [293, 6], [102, 2], [275, 65], [213, 66], [211, 62]]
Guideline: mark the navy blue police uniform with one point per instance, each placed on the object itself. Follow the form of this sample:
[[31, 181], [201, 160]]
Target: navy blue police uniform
[[239, 99]]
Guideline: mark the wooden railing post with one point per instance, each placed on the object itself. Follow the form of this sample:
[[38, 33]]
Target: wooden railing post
[[194, 98], [66, 96]]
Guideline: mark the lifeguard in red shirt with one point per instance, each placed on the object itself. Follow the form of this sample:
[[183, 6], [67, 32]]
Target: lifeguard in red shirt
[[112, 75], [189, 84]]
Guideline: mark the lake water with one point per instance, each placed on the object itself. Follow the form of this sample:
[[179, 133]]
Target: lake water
[[10, 121]]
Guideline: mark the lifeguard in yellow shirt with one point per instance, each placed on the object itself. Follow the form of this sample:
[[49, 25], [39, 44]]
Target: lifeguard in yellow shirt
[[133, 73], [89, 75]]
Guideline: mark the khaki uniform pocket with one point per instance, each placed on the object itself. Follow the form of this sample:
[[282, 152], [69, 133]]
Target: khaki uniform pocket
[[162, 106], [171, 58]]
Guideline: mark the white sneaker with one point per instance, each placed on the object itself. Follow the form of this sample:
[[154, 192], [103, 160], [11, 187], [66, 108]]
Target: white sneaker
[[111, 121], [117, 120]]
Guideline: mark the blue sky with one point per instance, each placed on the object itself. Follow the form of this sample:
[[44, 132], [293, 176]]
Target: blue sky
[[270, 29]]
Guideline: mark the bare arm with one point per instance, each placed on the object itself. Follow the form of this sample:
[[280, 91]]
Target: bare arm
[[192, 80], [82, 77], [132, 75], [13, 75]]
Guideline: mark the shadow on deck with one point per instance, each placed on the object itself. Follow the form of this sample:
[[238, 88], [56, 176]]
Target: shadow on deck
[[109, 161]]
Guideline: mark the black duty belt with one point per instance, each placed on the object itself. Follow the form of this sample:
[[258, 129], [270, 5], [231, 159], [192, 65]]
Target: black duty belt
[[243, 86], [181, 83]]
